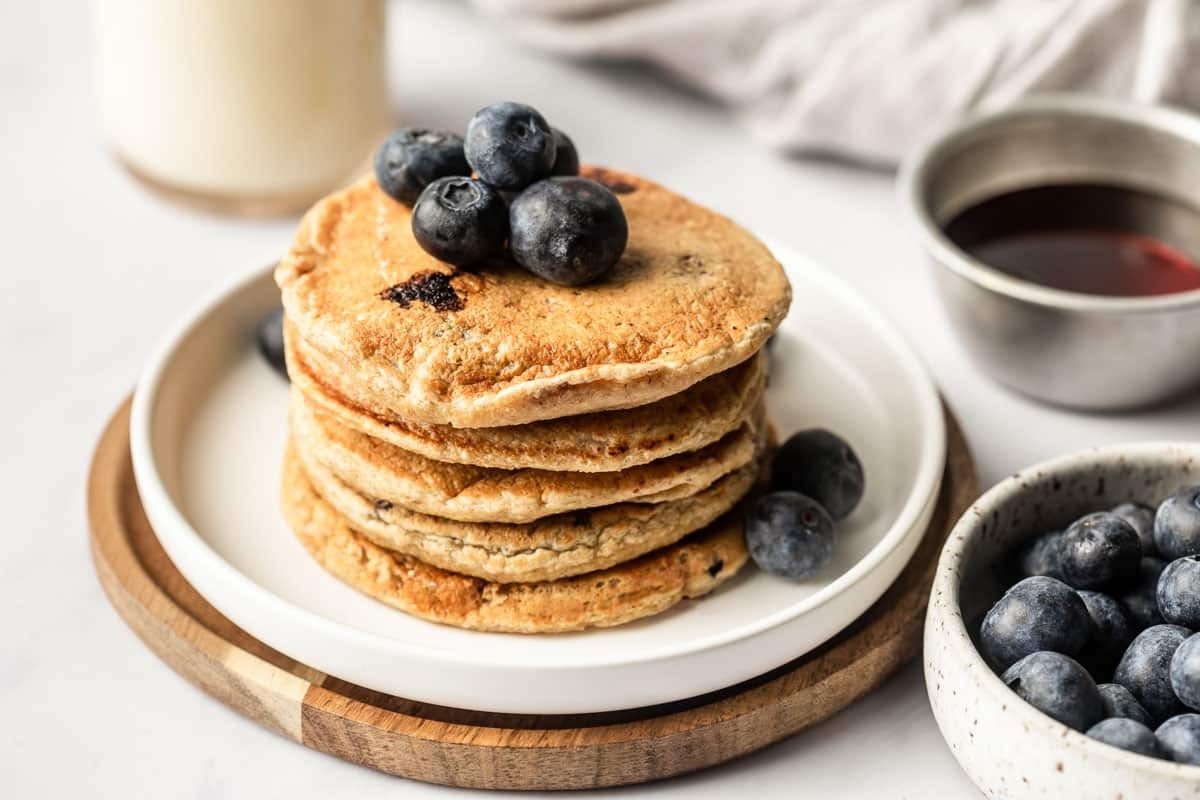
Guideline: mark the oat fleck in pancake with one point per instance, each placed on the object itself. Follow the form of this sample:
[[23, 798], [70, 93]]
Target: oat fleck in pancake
[[629, 591], [600, 442], [482, 494], [405, 336]]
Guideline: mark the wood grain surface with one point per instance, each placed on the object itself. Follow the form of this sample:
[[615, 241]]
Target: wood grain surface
[[485, 750]]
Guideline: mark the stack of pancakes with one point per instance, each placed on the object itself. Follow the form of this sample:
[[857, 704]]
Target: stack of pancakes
[[497, 452]]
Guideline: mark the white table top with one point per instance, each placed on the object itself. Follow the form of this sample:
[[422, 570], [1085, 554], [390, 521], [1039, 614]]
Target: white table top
[[96, 269]]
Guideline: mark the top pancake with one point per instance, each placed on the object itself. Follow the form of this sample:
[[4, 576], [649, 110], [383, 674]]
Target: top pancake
[[404, 335]]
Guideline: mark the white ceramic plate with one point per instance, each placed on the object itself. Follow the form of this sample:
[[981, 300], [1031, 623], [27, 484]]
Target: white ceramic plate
[[208, 433]]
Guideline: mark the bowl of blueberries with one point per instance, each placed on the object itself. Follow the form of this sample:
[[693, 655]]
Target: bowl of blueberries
[[1062, 645]]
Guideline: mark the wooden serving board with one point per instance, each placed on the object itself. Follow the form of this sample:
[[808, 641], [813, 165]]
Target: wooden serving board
[[484, 750]]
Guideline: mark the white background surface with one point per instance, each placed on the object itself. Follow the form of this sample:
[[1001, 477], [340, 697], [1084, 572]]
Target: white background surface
[[94, 270]]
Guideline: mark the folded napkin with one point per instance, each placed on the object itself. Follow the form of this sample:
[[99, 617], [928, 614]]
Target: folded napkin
[[867, 78]]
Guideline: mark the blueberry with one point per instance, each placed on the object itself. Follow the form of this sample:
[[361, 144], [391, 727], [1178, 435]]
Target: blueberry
[[1145, 669], [1099, 550], [1179, 738], [789, 535], [1141, 518], [1112, 631], [1058, 686], [461, 221], [1177, 525], [1036, 614], [1127, 734], [412, 158], [510, 145], [567, 230], [1142, 598], [820, 464], [566, 157], [1185, 672], [269, 335], [1040, 556], [1118, 702], [1179, 592]]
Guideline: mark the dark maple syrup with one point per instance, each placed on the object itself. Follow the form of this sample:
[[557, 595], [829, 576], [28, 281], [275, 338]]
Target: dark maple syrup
[[1087, 238]]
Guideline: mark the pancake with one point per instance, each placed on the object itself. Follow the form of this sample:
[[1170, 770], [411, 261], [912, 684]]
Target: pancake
[[483, 494], [635, 589], [601, 442], [405, 336], [546, 549]]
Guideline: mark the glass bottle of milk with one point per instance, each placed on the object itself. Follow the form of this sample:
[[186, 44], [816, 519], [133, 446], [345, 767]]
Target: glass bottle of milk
[[250, 107]]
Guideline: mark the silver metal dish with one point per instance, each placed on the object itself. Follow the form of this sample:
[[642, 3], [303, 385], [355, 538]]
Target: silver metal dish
[[1079, 350]]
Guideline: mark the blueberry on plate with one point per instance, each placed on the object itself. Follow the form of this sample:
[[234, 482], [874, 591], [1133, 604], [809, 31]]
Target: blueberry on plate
[[1141, 518], [461, 221], [567, 230], [1112, 631], [412, 158], [1141, 599], [820, 464], [269, 335], [1118, 702], [1099, 550], [1127, 734], [1058, 686], [1036, 614], [1179, 592], [1040, 556], [1185, 672], [566, 157], [789, 535], [509, 145], [1180, 738], [1177, 524], [1145, 669]]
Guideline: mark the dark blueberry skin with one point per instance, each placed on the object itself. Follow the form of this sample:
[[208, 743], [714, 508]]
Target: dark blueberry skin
[[566, 157], [412, 158], [1145, 669], [567, 230], [1179, 592], [269, 335], [1177, 525], [1127, 734], [1058, 686], [1142, 599], [1112, 631], [461, 221], [1036, 614], [1185, 672], [1118, 702], [1141, 519], [1040, 556], [509, 145], [1099, 550], [820, 464], [789, 535], [1179, 738]]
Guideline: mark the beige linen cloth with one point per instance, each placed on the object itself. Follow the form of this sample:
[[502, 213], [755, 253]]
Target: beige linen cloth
[[867, 78]]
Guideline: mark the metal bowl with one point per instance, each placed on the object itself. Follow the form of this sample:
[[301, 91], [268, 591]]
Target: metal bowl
[[1079, 350]]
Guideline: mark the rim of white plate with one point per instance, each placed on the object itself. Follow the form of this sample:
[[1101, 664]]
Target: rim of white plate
[[187, 540]]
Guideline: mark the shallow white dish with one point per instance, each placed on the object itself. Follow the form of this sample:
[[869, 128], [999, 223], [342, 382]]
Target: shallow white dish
[[207, 436], [1006, 746]]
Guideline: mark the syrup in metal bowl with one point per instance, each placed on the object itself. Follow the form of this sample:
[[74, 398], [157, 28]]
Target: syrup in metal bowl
[[1086, 238]]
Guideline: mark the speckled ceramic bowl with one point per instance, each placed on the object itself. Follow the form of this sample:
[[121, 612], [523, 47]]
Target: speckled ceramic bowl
[[1008, 748]]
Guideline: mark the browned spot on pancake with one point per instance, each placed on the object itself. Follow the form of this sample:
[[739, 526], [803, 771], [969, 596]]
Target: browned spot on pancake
[[431, 288], [715, 568]]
